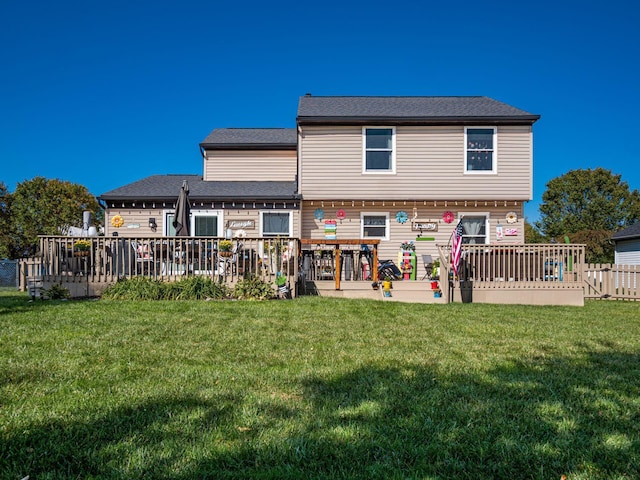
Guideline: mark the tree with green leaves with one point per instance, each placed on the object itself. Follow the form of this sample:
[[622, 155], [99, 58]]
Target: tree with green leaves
[[45, 207], [5, 223], [589, 206], [531, 234]]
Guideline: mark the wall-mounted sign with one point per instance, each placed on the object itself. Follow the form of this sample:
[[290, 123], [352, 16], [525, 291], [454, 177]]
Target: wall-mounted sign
[[330, 228], [245, 224], [133, 225], [424, 226]]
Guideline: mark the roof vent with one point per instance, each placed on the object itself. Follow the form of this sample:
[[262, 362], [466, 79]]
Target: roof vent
[[307, 94]]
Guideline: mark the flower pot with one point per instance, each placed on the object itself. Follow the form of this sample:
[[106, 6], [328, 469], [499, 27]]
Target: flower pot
[[81, 253], [386, 285], [226, 254], [437, 294], [434, 285]]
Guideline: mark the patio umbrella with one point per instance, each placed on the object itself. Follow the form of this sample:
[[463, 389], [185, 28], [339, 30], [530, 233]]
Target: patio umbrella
[[181, 219]]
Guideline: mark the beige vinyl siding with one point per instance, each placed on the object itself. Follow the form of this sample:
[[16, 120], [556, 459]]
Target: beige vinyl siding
[[349, 227], [136, 222], [140, 217], [429, 165], [258, 165]]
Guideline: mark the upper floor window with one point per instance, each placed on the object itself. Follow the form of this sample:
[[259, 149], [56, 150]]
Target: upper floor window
[[375, 225], [379, 149], [480, 150], [275, 223]]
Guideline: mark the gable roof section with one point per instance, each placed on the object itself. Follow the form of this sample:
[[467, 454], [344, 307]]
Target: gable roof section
[[628, 233], [409, 110], [251, 138], [167, 187]]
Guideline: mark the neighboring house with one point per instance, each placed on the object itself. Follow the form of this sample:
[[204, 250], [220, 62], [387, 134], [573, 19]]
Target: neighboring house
[[392, 168], [627, 244]]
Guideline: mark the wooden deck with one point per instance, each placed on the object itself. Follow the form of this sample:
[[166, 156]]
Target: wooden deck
[[494, 273]]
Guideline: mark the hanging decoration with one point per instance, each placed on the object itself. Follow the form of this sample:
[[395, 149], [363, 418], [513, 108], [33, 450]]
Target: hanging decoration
[[318, 214], [117, 221], [341, 214], [512, 217], [402, 217], [447, 217]]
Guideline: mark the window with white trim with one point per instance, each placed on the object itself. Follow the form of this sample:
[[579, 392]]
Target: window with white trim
[[274, 224], [379, 145], [480, 149], [203, 223], [474, 229], [374, 225]]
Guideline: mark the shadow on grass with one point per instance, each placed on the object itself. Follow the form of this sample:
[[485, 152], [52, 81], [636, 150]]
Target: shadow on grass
[[537, 419]]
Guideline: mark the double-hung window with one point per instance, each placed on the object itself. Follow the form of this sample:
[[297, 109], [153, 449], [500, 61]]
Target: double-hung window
[[480, 150], [474, 229], [379, 145], [275, 224], [375, 225]]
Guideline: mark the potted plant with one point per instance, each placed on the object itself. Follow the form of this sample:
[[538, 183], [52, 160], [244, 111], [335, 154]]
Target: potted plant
[[281, 283], [387, 285], [82, 248], [225, 248], [435, 270]]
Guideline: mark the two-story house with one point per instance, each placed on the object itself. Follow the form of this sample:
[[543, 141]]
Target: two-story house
[[408, 168], [390, 168]]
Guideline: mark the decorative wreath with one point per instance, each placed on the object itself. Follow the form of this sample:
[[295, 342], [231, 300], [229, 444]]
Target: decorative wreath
[[447, 217], [341, 214], [318, 214], [512, 217], [402, 217], [240, 233], [117, 221]]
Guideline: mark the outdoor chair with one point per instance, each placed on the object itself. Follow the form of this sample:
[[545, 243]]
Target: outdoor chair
[[427, 262], [143, 255]]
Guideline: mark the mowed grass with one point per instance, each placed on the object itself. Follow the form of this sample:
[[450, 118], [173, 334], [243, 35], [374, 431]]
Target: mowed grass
[[318, 388]]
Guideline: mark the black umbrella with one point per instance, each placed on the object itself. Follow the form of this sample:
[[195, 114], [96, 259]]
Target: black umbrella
[[181, 220]]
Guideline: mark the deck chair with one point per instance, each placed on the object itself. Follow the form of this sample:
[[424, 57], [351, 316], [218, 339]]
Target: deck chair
[[143, 255], [427, 262]]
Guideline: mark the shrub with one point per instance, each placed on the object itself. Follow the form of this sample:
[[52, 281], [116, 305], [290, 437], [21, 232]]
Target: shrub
[[55, 292], [136, 288], [253, 288], [144, 288]]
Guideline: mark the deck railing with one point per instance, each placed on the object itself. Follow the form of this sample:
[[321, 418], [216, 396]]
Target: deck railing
[[492, 266], [512, 266], [107, 259]]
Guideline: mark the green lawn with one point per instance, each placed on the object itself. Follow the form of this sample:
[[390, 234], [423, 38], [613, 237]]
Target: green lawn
[[318, 388]]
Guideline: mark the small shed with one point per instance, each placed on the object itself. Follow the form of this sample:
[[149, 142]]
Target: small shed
[[627, 244]]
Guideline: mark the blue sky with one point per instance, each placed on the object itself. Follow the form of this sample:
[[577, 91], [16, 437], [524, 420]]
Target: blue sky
[[106, 93]]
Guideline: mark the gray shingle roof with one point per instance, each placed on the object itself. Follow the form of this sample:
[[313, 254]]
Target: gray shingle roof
[[630, 232], [441, 110], [167, 187], [251, 138]]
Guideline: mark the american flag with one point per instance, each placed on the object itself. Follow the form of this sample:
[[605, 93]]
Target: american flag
[[456, 247]]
